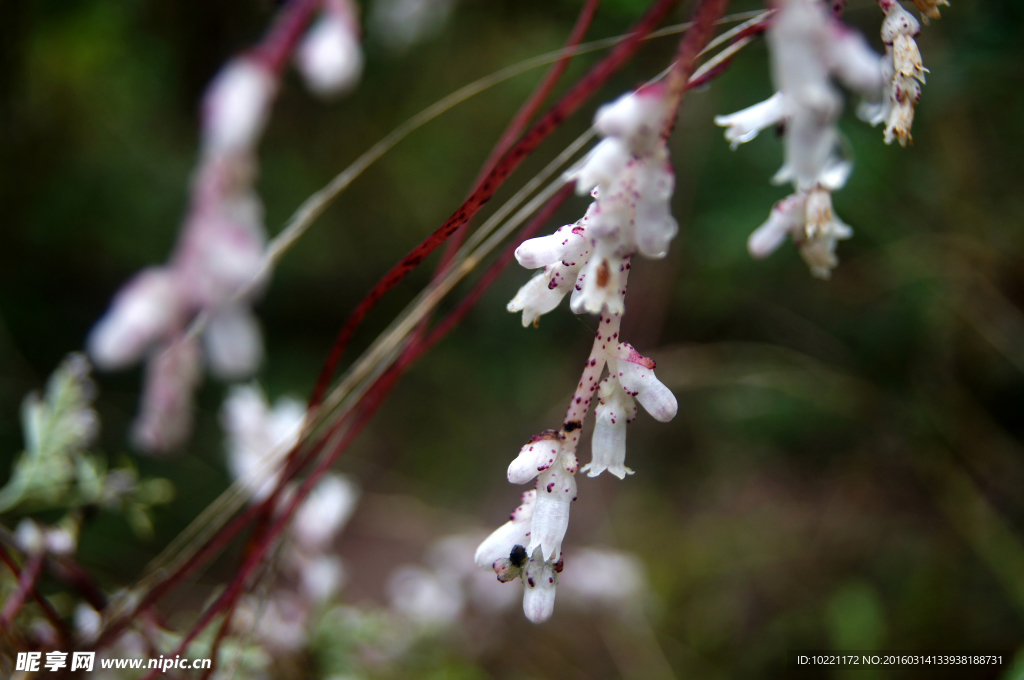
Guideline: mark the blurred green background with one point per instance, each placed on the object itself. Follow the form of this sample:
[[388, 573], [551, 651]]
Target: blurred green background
[[847, 466]]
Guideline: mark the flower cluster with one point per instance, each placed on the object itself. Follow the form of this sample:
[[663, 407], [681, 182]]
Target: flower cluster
[[809, 49], [629, 175], [218, 265], [903, 71]]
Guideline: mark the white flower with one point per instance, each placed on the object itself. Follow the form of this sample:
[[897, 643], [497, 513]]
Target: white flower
[[744, 125], [324, 512], [424, 597], [615, 410], [606, 578], [148, 309], [636, 118], [399, 24], [259, 437], [556, 490], [554, 464], [320, 576], [514, 532], [237, 105], [635, 373], [787, 217], [822, 230], [807, 217], [540, 579], [904, 73], [329, 56]]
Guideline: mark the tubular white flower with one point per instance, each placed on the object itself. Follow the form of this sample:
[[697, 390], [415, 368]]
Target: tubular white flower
[[788, 216], [601, 167], [904, 72], [556, 490], [547, 250], [516, 531], [237, 105], [325, 511], [258, 437], [329, 56], [636, 118], [615, 410], [540, 579], [537, 455], [744, 125], [823, 229], [599, 284], [635, 373], [146, 310]]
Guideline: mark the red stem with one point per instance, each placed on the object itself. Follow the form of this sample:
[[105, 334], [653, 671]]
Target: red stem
[[525, 113], [567, 105], [51, 614], [26, 585], [281, 40], [694, 40]]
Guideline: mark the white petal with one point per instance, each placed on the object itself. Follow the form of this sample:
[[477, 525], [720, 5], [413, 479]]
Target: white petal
[[329, 57], [636, 118], [537, 455], [857, 66], [636, 375], [325, 511], [601, 166], [545, 250], [609, 441], [236, 106], [148, 308], [556, 489], [787, 216], [510, 534], [234, 343], [744, 125], [539, 580], [655, 227]]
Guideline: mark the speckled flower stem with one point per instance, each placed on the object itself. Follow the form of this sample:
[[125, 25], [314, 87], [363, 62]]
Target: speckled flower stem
[[605, 340]]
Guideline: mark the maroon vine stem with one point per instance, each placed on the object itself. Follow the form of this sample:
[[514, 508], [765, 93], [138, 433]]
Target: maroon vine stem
[[279, 43], [524, 114], [26, 585], [694, 40], [51, 614]]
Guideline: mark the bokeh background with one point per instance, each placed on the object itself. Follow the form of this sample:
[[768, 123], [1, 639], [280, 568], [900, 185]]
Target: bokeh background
[[847, 466]]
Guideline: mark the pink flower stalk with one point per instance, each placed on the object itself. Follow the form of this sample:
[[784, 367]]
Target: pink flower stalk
[[218, 266]]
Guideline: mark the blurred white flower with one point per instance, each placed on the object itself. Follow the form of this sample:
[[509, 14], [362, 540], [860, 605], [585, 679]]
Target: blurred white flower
[[329, 56], [258, 437], [400, 24], [236, 106], [324, 513], [425, 598]]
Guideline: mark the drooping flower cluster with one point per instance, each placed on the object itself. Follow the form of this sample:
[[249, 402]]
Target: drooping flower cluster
[[218, 265], [809, 48], [903, 70], [629, 175]]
